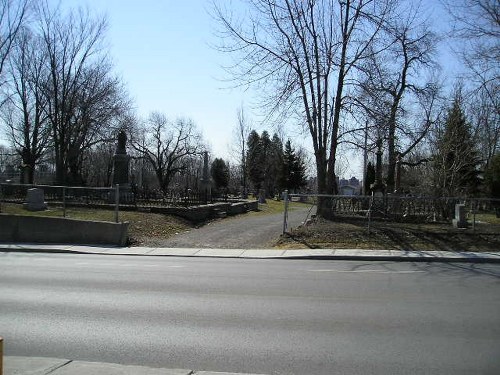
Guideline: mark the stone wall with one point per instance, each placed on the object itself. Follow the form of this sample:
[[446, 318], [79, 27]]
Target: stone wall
[[17, 228], [209, 211]]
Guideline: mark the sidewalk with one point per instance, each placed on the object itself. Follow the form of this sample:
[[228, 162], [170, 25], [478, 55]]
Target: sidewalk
[[56, 366], [331, 254]]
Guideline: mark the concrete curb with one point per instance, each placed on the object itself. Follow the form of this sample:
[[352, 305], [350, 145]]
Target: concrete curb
[[15, 365], [316, 254]]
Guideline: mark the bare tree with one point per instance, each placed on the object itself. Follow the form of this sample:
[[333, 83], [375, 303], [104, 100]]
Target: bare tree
[[305, 54], [13, 14], [24, 109], [240, 135], [486, 122], [396, 85], [83, 98], [69, 42], [476, 30], [168, 146]]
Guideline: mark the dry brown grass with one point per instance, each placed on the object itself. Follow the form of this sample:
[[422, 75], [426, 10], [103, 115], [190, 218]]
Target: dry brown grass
[[402, 236], [143, 225]]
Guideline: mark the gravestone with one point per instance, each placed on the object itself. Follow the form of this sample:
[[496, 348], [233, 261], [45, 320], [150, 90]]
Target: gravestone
[[262, 196], [460, 220], [35, 200], [121, 162]]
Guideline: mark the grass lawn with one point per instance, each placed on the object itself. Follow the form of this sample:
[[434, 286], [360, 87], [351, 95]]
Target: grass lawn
[[320, 234]]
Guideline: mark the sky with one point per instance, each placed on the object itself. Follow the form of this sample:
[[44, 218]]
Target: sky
[[163, 50]]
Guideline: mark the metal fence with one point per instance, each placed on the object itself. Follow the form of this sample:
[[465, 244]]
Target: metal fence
[[108, 196], [395, 208]]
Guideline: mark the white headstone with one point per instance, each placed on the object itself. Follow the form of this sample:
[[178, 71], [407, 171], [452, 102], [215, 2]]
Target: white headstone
[[460, 221]]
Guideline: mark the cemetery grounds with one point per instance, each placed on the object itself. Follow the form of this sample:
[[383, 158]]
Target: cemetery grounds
[[146, 229]]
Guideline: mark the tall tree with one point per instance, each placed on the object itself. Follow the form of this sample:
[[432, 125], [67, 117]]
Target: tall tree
[[457, 160], [293, 169], [24, 111], [168, 146], [305, 54], [220, 174], [476, 31], [492, 176], [82, 96], [395, 87], [13, 15], [255, 160], [240, 134]]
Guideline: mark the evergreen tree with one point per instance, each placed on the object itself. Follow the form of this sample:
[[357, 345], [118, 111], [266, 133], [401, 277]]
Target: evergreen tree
[[492, 176], [255, 160], [220, 174], [274, 162], [457, 159], [294, 171]]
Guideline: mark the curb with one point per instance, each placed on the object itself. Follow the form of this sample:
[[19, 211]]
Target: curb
[[493, 257], [58, 366]]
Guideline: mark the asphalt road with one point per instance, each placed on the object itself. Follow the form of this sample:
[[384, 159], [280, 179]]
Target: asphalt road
[[261, 316], [239, 232]]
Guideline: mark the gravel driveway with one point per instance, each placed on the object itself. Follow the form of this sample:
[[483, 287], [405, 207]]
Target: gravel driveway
[[239, 232]]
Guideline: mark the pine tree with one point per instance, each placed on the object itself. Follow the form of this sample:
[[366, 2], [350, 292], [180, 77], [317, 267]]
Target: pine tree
[[294, 171], [457, 159], [255, 160], [274, 168], [492, 176], [220, 174]]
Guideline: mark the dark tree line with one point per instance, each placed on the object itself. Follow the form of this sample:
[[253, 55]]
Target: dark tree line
[[273, 167]]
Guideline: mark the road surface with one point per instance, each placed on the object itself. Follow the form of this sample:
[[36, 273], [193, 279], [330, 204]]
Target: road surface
[[239, 232], [260, 316]]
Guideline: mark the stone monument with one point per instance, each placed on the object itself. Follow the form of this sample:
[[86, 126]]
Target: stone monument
[[205, 181], [460, 221], [35, 200], [378, 187], [262, 196], [121, 162]]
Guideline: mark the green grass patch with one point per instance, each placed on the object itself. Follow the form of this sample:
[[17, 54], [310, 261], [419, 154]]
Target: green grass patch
[[275, 207], [487, 218]]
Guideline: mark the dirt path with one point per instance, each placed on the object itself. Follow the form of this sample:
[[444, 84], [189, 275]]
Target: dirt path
[[240, 232]]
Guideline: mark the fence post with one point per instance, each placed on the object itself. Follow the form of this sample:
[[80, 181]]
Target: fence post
[[473, 207], [1, 355], [64, 201], [370, 212], [285, 215], [117, 201]]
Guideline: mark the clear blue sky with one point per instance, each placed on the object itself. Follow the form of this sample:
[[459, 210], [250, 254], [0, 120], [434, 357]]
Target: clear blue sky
[[163, 51]]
